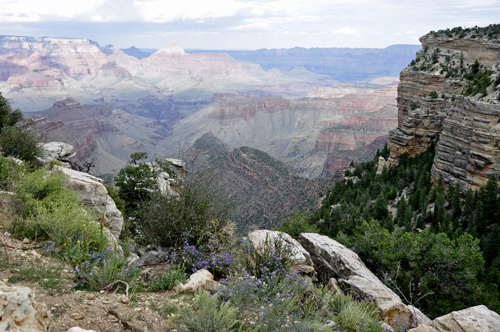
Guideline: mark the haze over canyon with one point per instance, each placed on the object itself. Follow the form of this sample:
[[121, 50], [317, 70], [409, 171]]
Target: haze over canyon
[[293, 104]]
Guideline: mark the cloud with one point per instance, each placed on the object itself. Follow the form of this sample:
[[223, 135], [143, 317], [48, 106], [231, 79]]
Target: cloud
[[410, 32], [346, 31]]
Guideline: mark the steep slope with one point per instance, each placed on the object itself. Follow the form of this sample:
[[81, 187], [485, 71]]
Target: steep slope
[[267, 190], [450, 95], [300, 132], [343, 64]]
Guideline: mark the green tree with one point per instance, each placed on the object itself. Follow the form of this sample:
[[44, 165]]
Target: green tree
[[300, 222], [8, 116], [426, 266]]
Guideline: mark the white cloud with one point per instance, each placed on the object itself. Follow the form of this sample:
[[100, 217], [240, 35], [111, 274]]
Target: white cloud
[[346, 31]]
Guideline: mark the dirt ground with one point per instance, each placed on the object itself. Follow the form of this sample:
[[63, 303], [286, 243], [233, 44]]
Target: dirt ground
[[145, 311]]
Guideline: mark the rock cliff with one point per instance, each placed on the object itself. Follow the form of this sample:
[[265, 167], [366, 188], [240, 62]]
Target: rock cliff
[[449, 96]]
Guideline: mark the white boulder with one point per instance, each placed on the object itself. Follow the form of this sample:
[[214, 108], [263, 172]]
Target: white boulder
[[200, 279], [333, 260], [95, 195], [300, 255], [474, 319], [59, 151], [20, 312]]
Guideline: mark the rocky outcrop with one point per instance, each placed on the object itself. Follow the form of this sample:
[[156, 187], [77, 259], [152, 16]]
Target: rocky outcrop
[[382, 163], [441, 103], [20, 311], [58, 151], [333, 260], [262, 238], [474, 319], [95, 195]]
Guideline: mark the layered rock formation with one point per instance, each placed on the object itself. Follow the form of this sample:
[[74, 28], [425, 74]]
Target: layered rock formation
[[303, 133], [36, 72], [450, 96]]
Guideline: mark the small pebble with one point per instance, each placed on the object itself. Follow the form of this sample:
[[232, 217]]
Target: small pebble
[[26, 241], [79, 316], [90, 297]]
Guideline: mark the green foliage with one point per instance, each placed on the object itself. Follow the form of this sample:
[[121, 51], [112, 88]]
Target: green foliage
[[203, 208], [300, 222], [137, 156], [50, 211], [209, 314], [49, 277], [115, 196], [10, 173], [8, 116], [167, 281], [433, 94], [21, 142], [426, 266]]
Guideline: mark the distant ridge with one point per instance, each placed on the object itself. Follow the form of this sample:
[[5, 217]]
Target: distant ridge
[[343, 64], [134, 51]]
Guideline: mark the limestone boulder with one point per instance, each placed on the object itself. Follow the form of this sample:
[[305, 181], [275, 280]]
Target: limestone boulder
[[95, 195], [474, 319], [200, 279], [20, 312], [79, 329], [300, 255], [58, 151], [152, 257], [381, 164], [333, 260]]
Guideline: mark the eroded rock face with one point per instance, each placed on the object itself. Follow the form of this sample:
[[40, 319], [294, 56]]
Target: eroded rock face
[[20, 312], [58, 151], [433, 110], [95, 195], [474, 319], [300, 255], [333, 260]]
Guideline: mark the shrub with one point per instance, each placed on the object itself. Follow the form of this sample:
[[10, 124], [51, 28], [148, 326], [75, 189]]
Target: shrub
[[8, 117], [209, 315], [300, 222], [167, 281], [50, 211], [10, 172], [202, 207], [21, 142]]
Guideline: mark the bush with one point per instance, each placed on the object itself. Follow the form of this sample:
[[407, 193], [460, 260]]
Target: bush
[[299, 223], [167, 281], [203, 208], [209, 314], [50, 211], [21, 142], [10, 173], [8, 117]]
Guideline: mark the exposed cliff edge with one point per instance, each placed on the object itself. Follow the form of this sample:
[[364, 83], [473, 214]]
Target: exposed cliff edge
[[450, 96]]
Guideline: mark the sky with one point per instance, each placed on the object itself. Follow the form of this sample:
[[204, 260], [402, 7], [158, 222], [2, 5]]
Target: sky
[[242, 24]]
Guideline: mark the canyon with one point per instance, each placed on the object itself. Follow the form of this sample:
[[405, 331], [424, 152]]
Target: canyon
[[109, 104], [449, 97]]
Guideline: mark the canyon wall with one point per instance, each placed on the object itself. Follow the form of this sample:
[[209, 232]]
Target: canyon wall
[[449, 96]]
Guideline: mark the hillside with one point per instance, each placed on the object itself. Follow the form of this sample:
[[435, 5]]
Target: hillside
[[267, 191]]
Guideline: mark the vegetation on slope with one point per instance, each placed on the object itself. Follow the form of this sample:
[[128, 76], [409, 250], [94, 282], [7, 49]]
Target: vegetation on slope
[[427, 242]]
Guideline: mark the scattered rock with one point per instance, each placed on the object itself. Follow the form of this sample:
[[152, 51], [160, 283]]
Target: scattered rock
[[79, 316], [199, 279], [35, 253], [259, 238], [91, 296], [123, 299], [26, 241], [150, 258], [419, 318], [474, 319], [7, 234], [333, 260], [19, 310], [132, 257]]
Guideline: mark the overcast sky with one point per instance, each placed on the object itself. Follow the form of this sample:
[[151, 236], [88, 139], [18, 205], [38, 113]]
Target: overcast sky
[[243, 24]]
